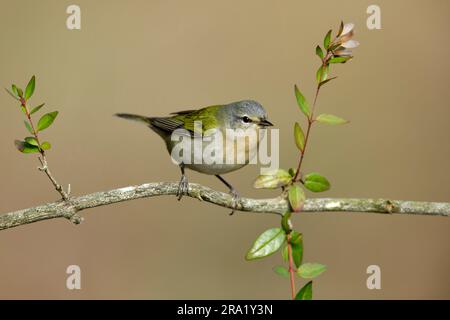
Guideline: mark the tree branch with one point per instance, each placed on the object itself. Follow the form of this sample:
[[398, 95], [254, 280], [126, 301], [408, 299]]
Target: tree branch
[[69, 209]]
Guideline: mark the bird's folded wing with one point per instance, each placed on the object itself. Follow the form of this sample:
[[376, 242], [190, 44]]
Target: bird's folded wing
[[194, 121], [168, 124], [183, 112]]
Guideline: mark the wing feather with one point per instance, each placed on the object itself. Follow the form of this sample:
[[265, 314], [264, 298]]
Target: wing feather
[[168, 124]]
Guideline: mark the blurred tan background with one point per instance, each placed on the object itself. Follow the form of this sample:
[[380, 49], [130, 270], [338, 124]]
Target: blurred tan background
[[154, 57]]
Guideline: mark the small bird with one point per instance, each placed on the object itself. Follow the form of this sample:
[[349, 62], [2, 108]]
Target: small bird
[[244, 115]]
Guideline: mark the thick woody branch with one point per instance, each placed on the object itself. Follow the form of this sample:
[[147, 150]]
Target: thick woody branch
[[69, 209]]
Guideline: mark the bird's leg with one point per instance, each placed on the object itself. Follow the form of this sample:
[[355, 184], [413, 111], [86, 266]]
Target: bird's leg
[[233, 192], [183, 187]]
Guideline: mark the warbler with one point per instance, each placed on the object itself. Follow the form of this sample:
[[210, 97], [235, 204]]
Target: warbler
[[246, 115]]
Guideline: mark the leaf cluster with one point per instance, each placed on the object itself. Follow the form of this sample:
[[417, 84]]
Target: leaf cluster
[[32, 144]]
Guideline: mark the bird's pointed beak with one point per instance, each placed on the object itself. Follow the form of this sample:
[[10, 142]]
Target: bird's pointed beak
[[265, 123]]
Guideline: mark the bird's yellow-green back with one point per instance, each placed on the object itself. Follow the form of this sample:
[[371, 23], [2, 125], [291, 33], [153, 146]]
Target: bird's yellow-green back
[[208, 117]]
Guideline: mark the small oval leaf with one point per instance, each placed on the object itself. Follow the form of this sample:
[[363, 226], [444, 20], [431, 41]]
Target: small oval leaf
[[24, 147], [36, 109], [32, 141], [292, 172], [326, 81], [46, 145], [296, 241], [322, 73], [339, 59], [282, 271], [316, 183], [296, 237], [46, 120], [20, 92], [305, 293], [330, 119], [299, 137], [272, 180], [28, 126], [30, 88], [319, 52], [266, 244], [296, 197], [326, 40], [286, 222], [14, 90], [14, 95], [302, 103], [297, 253], [311, 270]]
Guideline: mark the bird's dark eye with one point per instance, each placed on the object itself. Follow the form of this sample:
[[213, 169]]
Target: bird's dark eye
[[246, 119]]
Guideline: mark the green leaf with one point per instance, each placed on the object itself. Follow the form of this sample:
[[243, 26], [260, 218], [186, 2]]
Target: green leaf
[[302, 103], [296, 197], [282, 271], [326, 40], [24, 147], [36, 109], [299, 137], [32, 141], [311, 270], [46, 120], [296, 241], [266, 244], [296, 237], [272, 180], [339, 59], [305, 293], [319, 74], [28, 126], [322, 73], [30, 88], [326, 81], [319, 52], [292, 172], [286, 223], [12, 94], [330, 119], [316, 183], [20, 92], [297, 254], [285, 254], [46, 145], [14, 90]]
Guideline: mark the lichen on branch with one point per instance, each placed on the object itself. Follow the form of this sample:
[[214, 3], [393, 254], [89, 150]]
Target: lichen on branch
[[70, 209]]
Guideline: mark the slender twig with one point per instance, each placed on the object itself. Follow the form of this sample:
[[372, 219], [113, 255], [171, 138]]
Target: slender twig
[[279, 205], [308, 130], [297, 176], [42, 159], [291, 266], [58, 187]]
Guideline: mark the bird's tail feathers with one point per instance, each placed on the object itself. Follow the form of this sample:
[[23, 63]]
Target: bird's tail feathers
[[134, 117]]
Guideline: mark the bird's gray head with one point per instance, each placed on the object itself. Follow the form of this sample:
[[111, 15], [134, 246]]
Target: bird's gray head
[[247, 114]]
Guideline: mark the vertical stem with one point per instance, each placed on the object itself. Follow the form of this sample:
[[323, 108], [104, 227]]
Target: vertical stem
[[308, 130], [42, 158], [291, 267], [296, 176]]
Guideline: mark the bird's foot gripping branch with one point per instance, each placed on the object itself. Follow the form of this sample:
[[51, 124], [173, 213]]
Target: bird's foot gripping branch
[[283, 238]]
